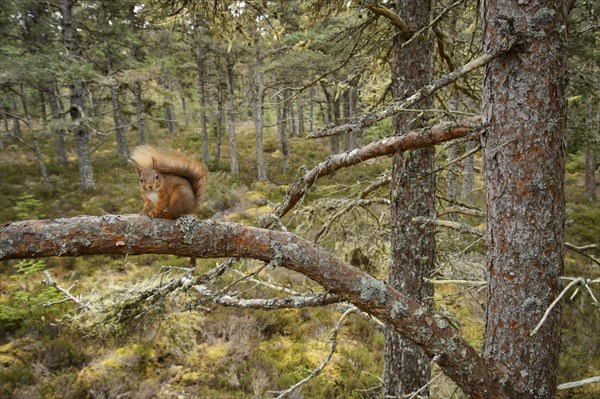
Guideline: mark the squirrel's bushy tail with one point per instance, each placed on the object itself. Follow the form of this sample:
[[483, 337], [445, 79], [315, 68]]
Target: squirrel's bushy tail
[[169, 162]]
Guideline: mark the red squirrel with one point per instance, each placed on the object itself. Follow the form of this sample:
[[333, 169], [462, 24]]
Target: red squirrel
[[169, 180]]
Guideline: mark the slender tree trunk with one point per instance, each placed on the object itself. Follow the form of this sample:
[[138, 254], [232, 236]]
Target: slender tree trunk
[[590, 153], [300, 107], [311, 109], [281, 133], [43, 106], [452, 178], [524, 154], [120, 133], [200, 67], [171, 119], [468, 172], [220, 120], [4, 121], [16, 122], [259, 110], [406, 365], [38, 153], [139, 111], [349, 141], [233, 162], [81, 132], [334, 141], [59, 130]]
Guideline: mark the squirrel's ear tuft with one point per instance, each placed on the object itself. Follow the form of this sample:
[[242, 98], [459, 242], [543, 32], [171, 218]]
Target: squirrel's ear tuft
[[137, 166], [154, 164]]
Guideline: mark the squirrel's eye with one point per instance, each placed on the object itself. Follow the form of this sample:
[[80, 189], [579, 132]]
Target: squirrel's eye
[[142, 180], [156, 177]]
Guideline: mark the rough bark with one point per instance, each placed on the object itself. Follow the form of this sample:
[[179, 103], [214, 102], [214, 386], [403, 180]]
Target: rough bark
[[80, 130], [412, 193], [524, 154], [187, 236]]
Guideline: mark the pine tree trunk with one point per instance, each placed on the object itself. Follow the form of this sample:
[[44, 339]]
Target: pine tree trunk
[[468, 172], [281, 133], [200, 61], [452, 178], [81, 132], [16, 122], [59, 131], [122, 147], [233, 162], [139, 111], [524, 153], [43, 106], [590, 153], [220, 120], [311, 109], [300, 107], [259, 111], [406, 365]]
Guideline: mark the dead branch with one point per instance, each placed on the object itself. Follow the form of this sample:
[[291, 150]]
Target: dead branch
[[187, 236], [289, 302], [333, 336], [399, 106], [441, 132]]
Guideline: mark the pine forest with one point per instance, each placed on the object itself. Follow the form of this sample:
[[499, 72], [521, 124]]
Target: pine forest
[[318, 199]]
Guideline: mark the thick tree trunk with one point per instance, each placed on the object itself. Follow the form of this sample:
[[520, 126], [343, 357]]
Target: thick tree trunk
[[406, 366], [233, 161], [80, 130], [524, 153]]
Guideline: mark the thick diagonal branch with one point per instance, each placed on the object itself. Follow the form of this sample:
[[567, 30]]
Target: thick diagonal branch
[[441, 132], [131, 234]]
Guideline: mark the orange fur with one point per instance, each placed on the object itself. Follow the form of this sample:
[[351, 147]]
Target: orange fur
[[169, 180]]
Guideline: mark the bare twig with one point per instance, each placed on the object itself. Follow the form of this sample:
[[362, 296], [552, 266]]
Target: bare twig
[[333, 336], [66, 292], [578, 280], [575, 384]]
